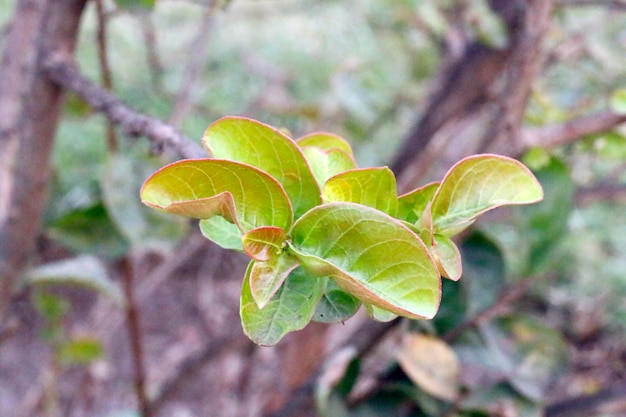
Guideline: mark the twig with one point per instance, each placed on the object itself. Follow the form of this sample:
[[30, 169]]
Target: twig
[[563, 133], [134, 334], [105, 68], [152, 54], [193, 364], [366, 337], [501, 305], [62, 70]]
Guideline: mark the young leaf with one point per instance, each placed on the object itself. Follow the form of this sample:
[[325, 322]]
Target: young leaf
[[326, 142], [412, 204], [447, 256], [371, 255], [290, 309], [203, 188], [373, 187], [336, 305], [267, 277], [379, 314], [327, 163], [271, 264], [477, 184], [264, 243], [254, 143]]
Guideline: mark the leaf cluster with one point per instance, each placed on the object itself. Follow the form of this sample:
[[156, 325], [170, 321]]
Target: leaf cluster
[[323, 235]]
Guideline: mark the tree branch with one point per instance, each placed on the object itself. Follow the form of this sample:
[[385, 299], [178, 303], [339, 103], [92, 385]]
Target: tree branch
[[62, 70], [30, 107], [551, 136]]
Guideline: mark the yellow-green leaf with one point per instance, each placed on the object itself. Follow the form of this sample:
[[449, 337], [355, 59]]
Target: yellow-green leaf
[[327, 163], [412, 204], [203, 188], [371, 255], [250, 142], [477, 184], [373, 187], [266, 277], [447, 256], [326, 142]]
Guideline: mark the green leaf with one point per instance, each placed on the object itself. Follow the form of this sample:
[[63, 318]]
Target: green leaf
[[81, 350], [85, 271], [618, 101], [327, 163], [136, 4], [477, 184], [290, 309], [545, 224], [379, 314], [448, 257], [336, 305], [532, 354], [483, 271], [254, 143], [373, 187], [371, 255], [221, 232], [89, 230], [412, 204], [203, 188], [326, 142]]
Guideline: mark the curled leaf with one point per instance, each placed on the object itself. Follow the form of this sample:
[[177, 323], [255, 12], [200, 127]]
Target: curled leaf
[[477, 184], [371, 256], [202, 188], [250, 142]]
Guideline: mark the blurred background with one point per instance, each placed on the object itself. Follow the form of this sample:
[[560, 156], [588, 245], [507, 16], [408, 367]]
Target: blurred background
[[120, 311]]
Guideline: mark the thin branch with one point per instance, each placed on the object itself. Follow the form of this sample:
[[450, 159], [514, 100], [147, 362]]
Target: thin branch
[[570, 131], [194, 364], [152, 51], [105, 68], [502, 305], [613, 4], [62, 70], [135, 336]]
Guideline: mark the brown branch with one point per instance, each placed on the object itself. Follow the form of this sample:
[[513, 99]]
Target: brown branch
[[61, 69], [613, 4], [570, 131], [502, 305], [192, 365], [152, 55], [30, 108], [135, 337], [105, 67]]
